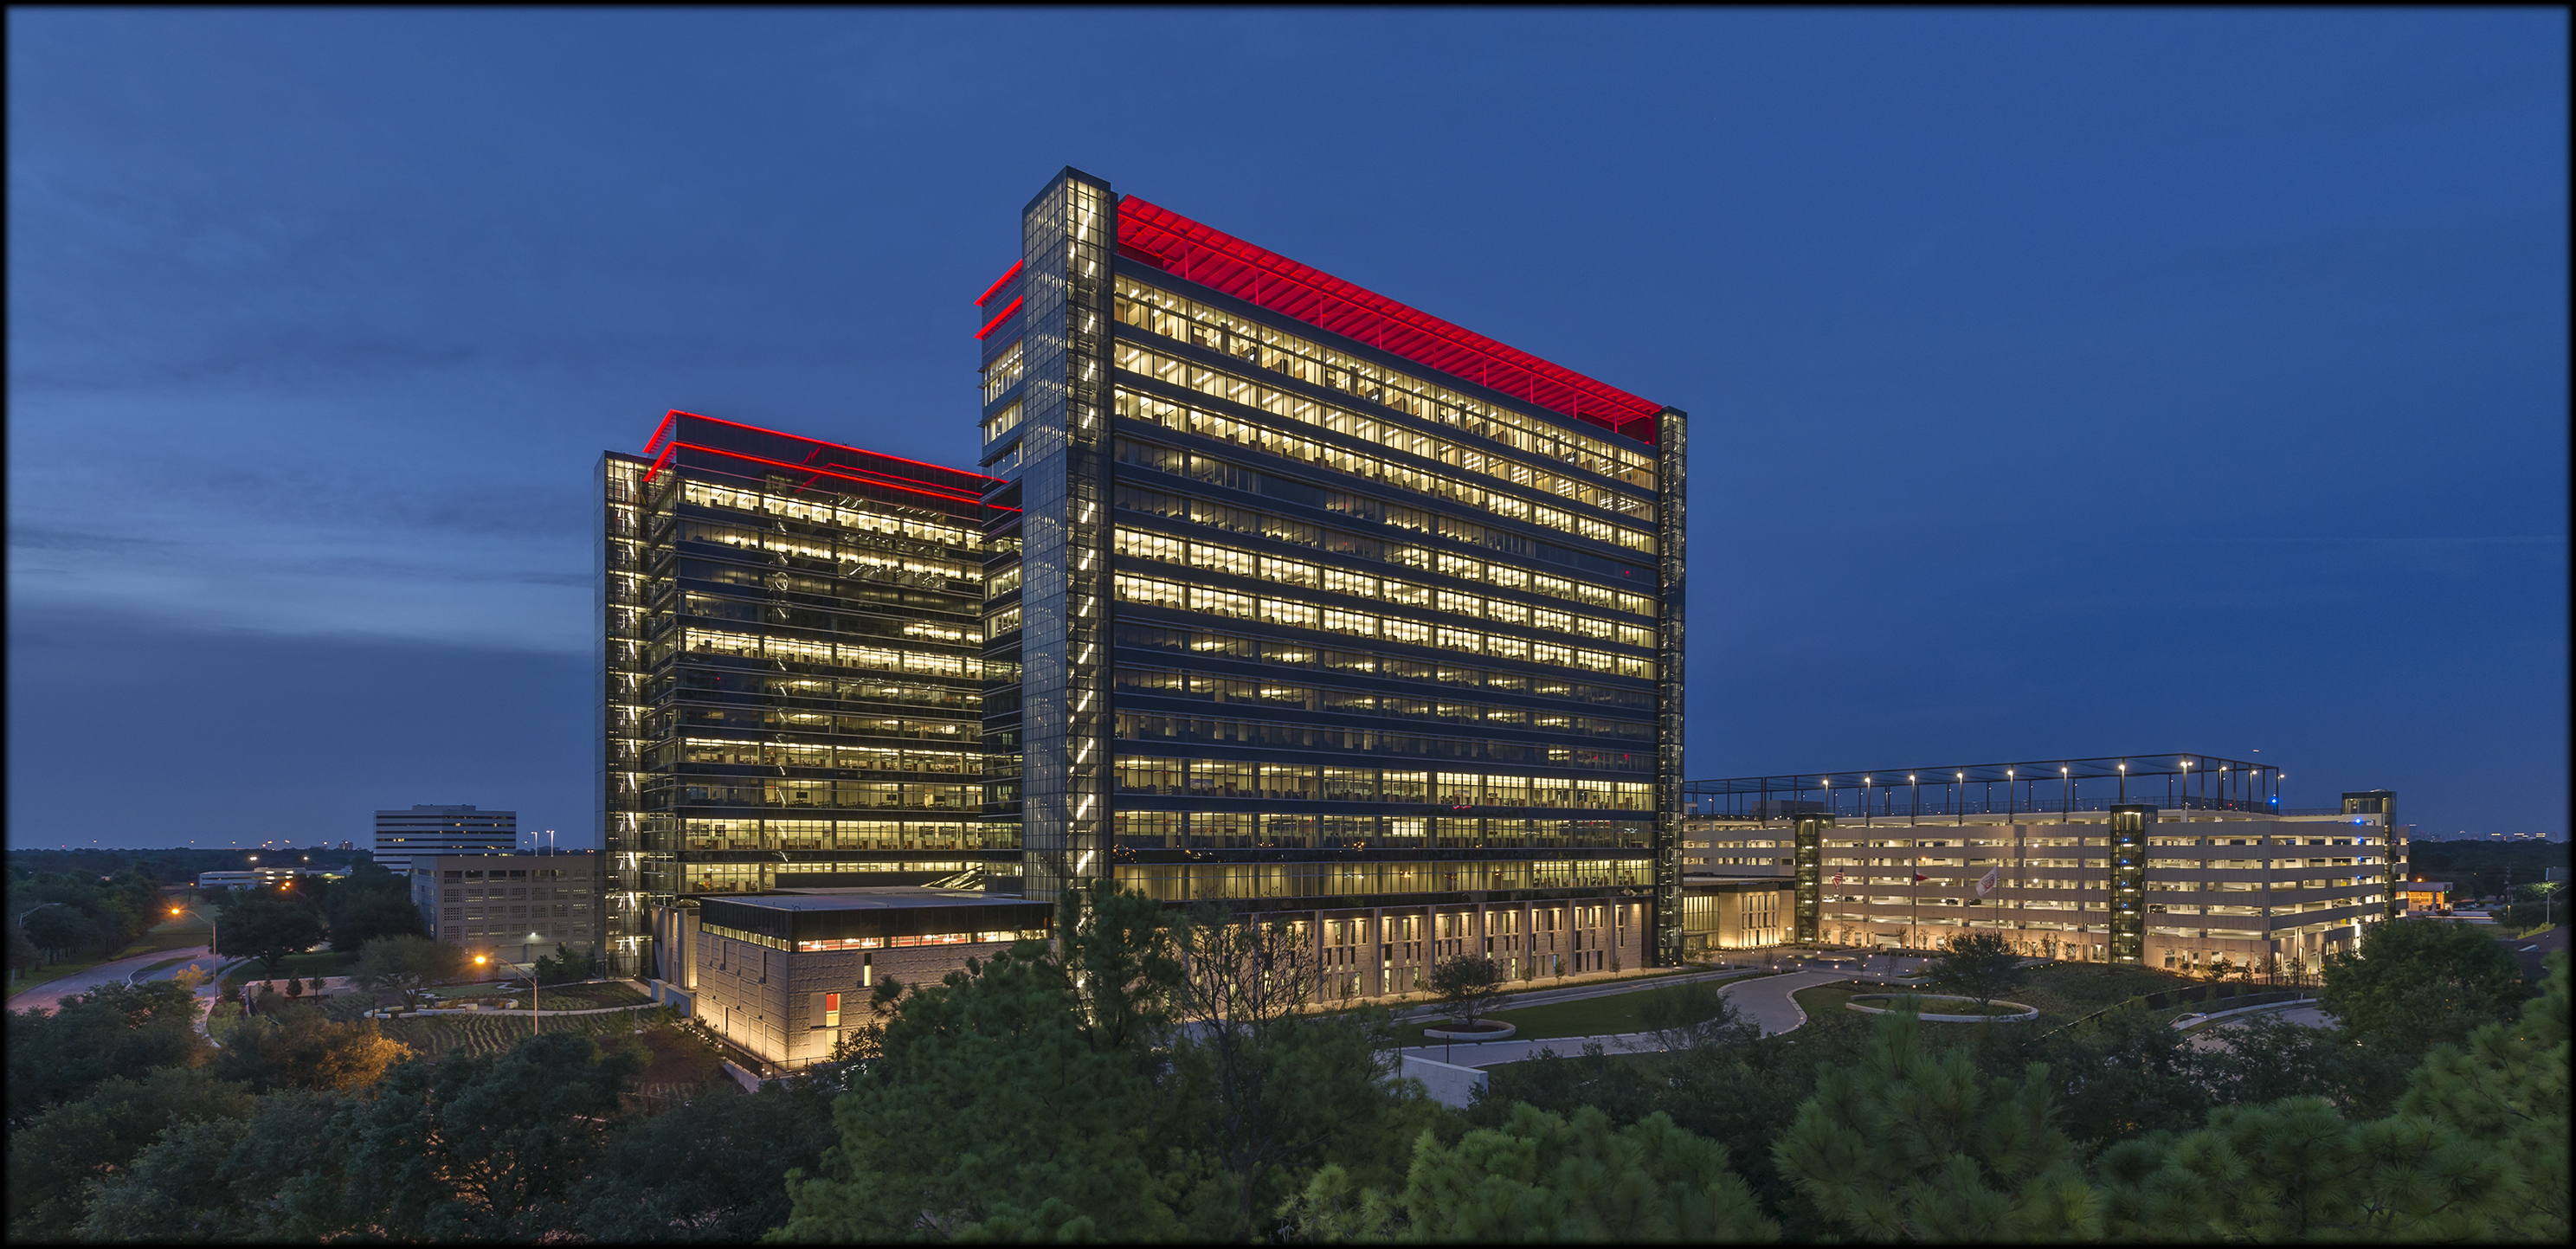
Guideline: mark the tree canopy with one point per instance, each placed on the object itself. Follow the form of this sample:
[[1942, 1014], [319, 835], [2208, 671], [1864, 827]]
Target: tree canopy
[[2420, 982]]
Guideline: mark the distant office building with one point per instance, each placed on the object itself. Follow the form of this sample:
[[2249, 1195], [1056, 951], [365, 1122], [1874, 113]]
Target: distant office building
[[518, 906], [424, 830], [791, 677], [2169, 861], [255, 878]]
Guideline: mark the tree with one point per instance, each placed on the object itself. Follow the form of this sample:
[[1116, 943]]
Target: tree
[[23, 954], [58, 1154], [1981, 965], [1688, 1017], [998, 1109], [567, 965], [2419, 982], [299, 1047], [268, 925], [1287, 1083], [468, 1147], [407, 965], [60, 929], [2259, 1059], [114, 1030], [1912, 1144], [1542, 1176], [2295, 1170], [371, 903], [713, 1169], [225, 1179], [1468, 985], [2507, 1085]]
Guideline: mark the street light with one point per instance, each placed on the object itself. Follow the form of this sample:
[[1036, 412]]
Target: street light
[[211, 950]]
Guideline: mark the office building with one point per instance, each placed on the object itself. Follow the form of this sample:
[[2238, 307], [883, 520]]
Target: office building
[[426, 830], [517, 907], [1275, 592], [1309, 602], [790, 672], [2172, 861]]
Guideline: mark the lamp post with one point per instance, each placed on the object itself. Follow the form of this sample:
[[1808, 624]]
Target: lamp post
[[536, 1018], [211, 950]]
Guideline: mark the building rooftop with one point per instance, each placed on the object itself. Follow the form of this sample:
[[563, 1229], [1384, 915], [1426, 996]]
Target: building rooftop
[[1212, 258]]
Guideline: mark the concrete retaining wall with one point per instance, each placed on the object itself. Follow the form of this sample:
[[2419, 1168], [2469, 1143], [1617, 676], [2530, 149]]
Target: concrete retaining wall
[[1449, 1084]]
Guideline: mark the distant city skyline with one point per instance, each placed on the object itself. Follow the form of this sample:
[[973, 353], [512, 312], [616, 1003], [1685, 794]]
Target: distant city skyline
[[2062, 380]]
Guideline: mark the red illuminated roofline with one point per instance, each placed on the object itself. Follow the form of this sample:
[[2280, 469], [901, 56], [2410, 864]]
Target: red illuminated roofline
[[675, 412], [826, 472], [1212, 258], [664, 428], [998, 282], [999, 317]]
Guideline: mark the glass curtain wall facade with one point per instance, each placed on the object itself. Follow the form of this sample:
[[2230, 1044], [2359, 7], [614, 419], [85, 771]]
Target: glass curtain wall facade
[[1304, 612], [791, 672]]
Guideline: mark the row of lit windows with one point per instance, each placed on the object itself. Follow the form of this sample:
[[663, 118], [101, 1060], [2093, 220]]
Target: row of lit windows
[[1002, 374], [1193, 881], [1149, 727], [1237, 830], [985, 937], [817, 723], [1173, 371], [1289, 613], [1270, 440], [1141, 544], [1272, 650], [1172, 316], [1299, 533], [800, 755], [838, 513], [1004, 421], [666, 792], [848, 559], [1369, 508], [1340, 739], [1226, 778], [833, 654], [1000, 623], [1173, 683], [837, 624]]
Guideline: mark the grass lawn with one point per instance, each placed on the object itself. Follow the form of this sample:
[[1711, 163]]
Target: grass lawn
[[307, 966], [1599, 1016], [2063, 993]]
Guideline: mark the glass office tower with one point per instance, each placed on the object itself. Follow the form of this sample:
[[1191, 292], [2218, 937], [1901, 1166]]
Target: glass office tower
[[1303, 600], [790, 672]]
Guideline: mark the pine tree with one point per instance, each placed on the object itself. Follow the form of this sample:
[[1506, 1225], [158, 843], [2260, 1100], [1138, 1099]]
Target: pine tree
[[1912, 1145]]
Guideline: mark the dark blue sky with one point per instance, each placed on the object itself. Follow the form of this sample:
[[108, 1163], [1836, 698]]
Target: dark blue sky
[[2063, 383]]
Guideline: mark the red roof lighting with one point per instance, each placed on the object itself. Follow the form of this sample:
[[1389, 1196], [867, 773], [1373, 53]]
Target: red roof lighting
[[1212, 258], [999, 282], [998, 318]]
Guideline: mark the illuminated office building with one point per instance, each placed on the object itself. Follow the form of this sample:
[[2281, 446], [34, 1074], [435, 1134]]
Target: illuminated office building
[[790, 673], [1309, 602], [2176, 861]]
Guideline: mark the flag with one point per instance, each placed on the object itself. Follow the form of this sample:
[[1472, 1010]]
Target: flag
[[1919, 879], [1838, 878], [1987, 885]]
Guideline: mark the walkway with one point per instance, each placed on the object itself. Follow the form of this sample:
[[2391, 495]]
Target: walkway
[[1765, 1002]]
